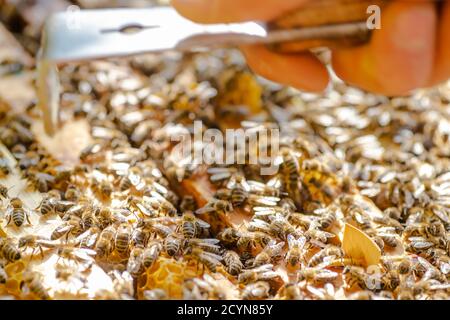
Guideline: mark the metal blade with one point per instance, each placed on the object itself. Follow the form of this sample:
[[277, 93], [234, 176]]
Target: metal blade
[[95, 34]]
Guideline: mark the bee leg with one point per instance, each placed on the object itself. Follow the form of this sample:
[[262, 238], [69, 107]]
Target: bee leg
[[9, 219], [31, 255], [27, 216], [41, 252]]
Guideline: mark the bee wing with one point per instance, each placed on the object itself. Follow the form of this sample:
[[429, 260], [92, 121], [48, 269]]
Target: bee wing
[[387, 230], [255, 185], [291, 240], [328, 234], [326, 262], [315, 291], [209, 241], [259, 224], [144, 210], [211, 256], [134, 179], [268, 275], [265, 200], [84, 254], [317, 243], [274, 183], [220, 176], [206, 209], [444, 267], [158, 196], [160, 188], [441, 213], [330, 290], [263, 268], [264, 211], [162, 228], [422, 244], [301, 241], [203, 224]]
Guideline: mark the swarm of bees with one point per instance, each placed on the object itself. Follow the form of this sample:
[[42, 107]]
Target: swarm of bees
[[161, 227]]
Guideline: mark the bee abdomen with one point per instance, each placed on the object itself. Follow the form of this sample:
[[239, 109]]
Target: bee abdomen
[[232, 262], [18, 216], [10, 252], [122, 242]]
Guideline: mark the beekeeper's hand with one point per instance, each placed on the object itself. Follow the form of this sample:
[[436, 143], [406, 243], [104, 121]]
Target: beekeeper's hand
[[411, 50]]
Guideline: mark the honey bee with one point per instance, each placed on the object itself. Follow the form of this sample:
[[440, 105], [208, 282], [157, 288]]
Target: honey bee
[[281, 227], [318, 235], [418, 244], [239, 191], [122, 239], [256, 291], [232, 262], [319, 176], [289, 169], [191, 226], [210, 245], [73, 226], [164, 207], [218, 206], [425, 270], [104, 216], [139, 238], [41, 181], [72, 193], [35, 285], [327, 217], [4, 191], [355, 276], [17, 213], [439, 258], [135, 265], [249, 241], [291, 291], [271, 253], [294, 254], [300, 220], [427, 230], [390, 281], [88, 218], [329, 251], [389, 239], [188, 204], [90, 150], [76, 254], [317, 275], [229, 237], [378, 241], [172, 244], [404, 267], [362, 295], [35, 242], [264, 273], [3, 275], [125, 183], [9, 250], [47, 206], [151, 253], [211, 260], [105, 242]]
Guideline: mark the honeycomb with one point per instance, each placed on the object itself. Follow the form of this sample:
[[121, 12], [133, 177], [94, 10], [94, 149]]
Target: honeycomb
[[166, 274]]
